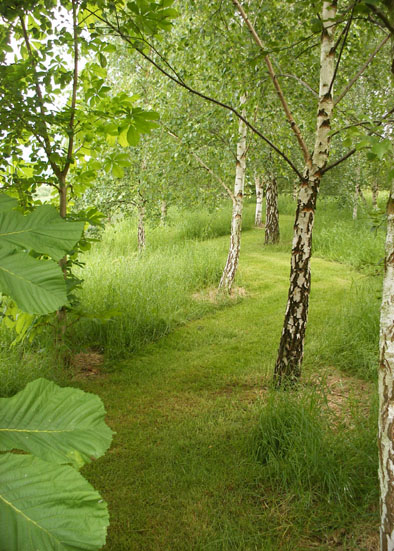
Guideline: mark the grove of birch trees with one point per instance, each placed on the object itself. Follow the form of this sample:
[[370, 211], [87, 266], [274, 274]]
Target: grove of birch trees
[[119, 108]]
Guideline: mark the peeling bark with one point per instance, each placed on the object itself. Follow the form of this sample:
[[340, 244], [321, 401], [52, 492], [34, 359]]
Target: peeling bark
[[386, 390], [258, 219], [231, 266], [386, 367], [272, 215], [291, 347], [296, 189]]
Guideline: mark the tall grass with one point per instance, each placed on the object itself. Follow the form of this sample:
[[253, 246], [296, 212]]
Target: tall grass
[[150, 293], [322, 465], [181, 226], [336, 236], [351, 332], [24, 363]]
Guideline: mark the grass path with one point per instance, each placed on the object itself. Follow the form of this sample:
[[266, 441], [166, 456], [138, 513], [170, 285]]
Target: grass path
[[180, 475]]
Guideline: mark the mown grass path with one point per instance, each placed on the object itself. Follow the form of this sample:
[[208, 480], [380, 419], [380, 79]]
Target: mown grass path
[[180, 475]]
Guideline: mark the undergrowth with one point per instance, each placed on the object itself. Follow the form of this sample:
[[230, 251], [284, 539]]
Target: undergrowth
[[327, 467], [351, 336]]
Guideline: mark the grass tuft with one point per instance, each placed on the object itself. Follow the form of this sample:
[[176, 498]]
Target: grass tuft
[[323, 464]]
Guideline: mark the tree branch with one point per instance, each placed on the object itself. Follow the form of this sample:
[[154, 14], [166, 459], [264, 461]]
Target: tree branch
[[361, 70], [339, 161], [205, 166], [200, 94], [74, 93], [382, 17], [45, 135], [305, 84], [289, 116], [347, 28]]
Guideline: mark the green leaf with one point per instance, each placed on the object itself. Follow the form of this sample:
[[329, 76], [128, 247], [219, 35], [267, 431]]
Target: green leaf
[[37, 286], [381, 148], [122, 139], [103, 60], [316, 25], [60, 425], [48, 507], [7, 203], [133, 136], [117, 171], [43, 230]]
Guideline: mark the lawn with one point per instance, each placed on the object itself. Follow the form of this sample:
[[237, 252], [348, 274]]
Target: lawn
[[183, 472]]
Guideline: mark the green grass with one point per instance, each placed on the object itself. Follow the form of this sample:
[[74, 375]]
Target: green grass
[[305, 453], [182, 473], [336, 236], [206, 456]]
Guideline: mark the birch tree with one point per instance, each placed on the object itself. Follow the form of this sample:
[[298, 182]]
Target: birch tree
[[272, 234], [386, 345], [231, 266], [259, 188]]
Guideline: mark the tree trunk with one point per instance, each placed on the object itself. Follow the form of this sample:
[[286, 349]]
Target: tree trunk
[[375, 194], [230, 269], [163, 213], [386, 390], [258, 219], [141, 227], [291, 347], [386, 367], [296, 189], [61, 314], [355, 200], [272, 215]]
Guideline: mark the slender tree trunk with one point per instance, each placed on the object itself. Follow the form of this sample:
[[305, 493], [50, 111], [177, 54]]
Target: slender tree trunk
[[141, 226], [375, 194], [386, 367], [61, 314], [272, 215], [386, 390], [163, 213], [230, 268], [291, 347], [258, 219], [355, 200]]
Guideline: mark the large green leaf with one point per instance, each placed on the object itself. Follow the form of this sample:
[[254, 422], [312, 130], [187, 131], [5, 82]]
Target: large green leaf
[[7, 203], [37, 286], [48, 507], [61, 425], [43, 230]]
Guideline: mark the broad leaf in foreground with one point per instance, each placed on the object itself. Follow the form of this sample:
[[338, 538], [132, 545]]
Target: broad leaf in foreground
[[37, 286], [61, 425], [48, 507], [42, 230]]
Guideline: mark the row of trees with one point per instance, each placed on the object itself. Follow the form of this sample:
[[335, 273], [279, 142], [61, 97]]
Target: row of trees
[[81, 81]]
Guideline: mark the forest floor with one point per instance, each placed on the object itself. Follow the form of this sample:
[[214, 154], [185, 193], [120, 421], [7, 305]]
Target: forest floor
[[181, 474]]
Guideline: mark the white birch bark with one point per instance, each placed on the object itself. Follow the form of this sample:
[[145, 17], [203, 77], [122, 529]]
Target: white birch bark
[[291, 347], [272, 234], [230, 268], [163, 212], [355, 200], [258, 218], [386, 367], [141, 227], [386, 390]]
